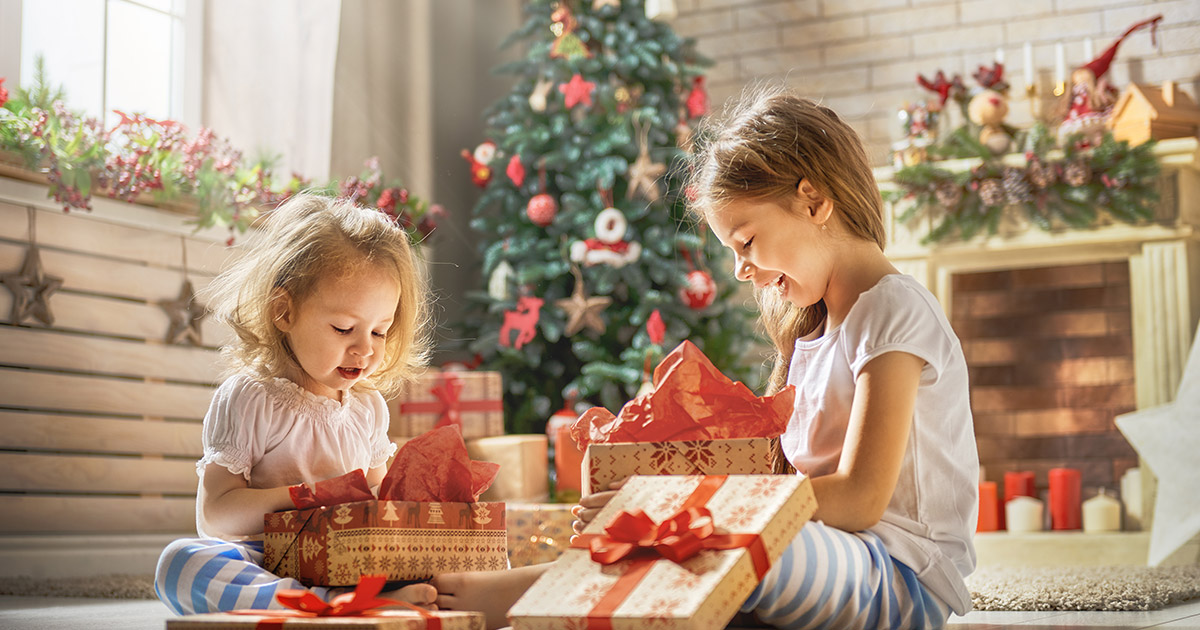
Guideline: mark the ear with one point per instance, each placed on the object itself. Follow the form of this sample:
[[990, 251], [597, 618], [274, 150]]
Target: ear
[[815, 206], [282, 310]]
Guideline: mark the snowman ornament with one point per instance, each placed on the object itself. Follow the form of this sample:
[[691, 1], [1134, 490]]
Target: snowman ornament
[[609, 247]]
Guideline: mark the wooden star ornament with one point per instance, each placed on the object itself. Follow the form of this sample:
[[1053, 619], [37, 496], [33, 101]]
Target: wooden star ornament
[[644, 172], [31, 290], [1167, 438], [583, 311], [185, 314]]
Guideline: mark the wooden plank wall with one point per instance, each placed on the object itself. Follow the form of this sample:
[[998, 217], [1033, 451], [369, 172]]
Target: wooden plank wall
[[99, 418]]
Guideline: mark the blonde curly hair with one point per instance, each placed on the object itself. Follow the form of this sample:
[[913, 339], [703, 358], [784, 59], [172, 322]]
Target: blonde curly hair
[[303, 240]]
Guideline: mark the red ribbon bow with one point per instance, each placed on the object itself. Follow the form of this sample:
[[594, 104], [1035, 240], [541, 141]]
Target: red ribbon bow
[[364, 601], [677, 538], [448, 391]]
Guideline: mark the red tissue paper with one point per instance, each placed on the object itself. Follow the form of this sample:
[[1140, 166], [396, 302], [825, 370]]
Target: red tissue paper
[[435, 467], [691, 400]]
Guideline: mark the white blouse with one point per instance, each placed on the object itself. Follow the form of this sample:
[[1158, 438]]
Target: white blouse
[[276, 433]]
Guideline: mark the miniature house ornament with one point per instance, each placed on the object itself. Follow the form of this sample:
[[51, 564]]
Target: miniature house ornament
[[1145, 112]]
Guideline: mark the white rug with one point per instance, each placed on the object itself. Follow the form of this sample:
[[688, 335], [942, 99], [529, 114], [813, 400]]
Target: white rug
[[1083, 588]]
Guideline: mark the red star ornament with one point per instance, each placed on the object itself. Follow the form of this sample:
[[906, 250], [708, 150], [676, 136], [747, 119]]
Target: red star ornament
[[577, 91]]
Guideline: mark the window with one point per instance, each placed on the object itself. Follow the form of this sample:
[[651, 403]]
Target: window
[[136, 56]]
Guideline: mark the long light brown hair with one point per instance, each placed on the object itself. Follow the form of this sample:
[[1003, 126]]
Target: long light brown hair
[[303, 240], [760, 148]]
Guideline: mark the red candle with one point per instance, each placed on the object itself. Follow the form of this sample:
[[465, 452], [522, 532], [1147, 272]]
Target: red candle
[[989, 514], [1065, 507], [1017, 483]]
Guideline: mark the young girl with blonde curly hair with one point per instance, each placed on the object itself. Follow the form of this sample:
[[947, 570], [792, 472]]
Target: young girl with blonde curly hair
[[329, 306]]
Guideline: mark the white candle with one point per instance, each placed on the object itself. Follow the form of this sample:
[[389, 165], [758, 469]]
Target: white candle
[[1101, 513], [1028, 50], [1087, 48], [1060, 64], [1000, 56], [1023, 514], [1131, 496]]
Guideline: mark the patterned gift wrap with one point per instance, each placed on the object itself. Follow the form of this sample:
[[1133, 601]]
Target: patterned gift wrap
[[646, 590], [407, 540], [379, 620], [606, 463], [470, 399], [537, 532]]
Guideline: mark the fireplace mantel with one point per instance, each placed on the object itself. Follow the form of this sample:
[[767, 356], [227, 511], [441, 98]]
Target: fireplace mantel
[[1163, 257]]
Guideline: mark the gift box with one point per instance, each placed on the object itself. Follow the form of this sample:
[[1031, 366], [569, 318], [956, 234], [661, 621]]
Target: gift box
[[679, 552], [406, 540], [381, 620], [606, 463], [471, 400], [524, 466], [537, 532]]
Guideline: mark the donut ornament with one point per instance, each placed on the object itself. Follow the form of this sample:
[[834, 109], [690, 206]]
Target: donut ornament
[[609, 246]]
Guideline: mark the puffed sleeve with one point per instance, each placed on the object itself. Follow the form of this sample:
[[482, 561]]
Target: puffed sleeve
[[237, 426], [899, 316], [382, 446]]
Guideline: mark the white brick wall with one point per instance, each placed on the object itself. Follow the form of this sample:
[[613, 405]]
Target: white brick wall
[[861, 57]]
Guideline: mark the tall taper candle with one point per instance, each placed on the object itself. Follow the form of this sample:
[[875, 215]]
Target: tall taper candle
[[1060, 65], [1028, 59]]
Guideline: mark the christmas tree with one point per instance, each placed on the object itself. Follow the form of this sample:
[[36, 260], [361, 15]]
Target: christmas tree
[[584, 234]]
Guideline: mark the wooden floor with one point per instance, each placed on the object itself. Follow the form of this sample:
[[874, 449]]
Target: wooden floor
[[36, 613]]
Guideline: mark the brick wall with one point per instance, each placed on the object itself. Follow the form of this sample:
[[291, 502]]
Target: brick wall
[[861, 57], [1050, 352]]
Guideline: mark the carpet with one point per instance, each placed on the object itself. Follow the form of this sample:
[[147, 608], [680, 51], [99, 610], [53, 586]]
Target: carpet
[[101, 586], [1083, 588]]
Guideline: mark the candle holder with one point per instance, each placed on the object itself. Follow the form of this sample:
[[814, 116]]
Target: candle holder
[[1060, 88], [1031, 92]]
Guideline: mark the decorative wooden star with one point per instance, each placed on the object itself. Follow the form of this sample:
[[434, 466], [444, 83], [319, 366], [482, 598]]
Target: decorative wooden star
[[31, 290], [583, 311], [643, 176], [185, 314], [1168, 438]]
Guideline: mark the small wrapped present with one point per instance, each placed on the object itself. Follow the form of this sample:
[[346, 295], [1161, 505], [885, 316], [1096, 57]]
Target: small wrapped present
[[426, 521], [537, 532], [672, 551], [472, 400], [695, 421], [524, 466], [360, 609]]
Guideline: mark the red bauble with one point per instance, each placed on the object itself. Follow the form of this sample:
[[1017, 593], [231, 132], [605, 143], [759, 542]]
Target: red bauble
[[541, 209], [700, 291]]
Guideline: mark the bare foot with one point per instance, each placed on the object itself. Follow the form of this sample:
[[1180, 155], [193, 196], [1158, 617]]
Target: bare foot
[[490, 592], [422, 595]]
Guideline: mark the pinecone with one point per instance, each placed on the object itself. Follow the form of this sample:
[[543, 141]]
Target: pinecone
[[948, 194], [991, 192], [1077, 173], [1015, 186], [1041, 174]]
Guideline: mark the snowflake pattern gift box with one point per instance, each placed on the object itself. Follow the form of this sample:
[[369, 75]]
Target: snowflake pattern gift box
[[407, 540], [606, 463], [670, 552]]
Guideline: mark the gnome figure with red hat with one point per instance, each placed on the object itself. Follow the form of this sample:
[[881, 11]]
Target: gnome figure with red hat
[[1088, 103]]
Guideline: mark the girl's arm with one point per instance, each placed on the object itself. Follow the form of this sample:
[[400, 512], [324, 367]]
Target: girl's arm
[[855, 496], [231, 506], [375, 477]]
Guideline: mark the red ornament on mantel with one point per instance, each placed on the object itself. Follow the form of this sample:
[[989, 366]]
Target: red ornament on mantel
[[542, 209], [700, 291]]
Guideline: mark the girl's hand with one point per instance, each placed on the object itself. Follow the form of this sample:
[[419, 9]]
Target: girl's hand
[[591, 505]]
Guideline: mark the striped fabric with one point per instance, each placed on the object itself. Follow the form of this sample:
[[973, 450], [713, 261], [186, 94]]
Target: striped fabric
[[829, 578], [199, 575]]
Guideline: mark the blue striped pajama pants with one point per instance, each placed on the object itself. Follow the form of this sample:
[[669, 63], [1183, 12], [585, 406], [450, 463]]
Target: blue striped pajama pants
[[199, 575], [829, 578]]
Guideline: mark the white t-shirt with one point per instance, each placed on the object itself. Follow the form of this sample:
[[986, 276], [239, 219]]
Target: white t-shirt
[[930, 520], [276, 433]]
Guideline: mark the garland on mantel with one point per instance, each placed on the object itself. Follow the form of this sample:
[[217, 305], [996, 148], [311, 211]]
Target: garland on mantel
[[1068, 189]]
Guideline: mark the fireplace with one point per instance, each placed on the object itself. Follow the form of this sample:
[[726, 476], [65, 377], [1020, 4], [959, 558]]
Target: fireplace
[[1065, 330]]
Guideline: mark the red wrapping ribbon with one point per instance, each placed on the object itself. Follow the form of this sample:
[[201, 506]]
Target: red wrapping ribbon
[[363, 602], [448, 391], [635, 536], [620, 247]]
